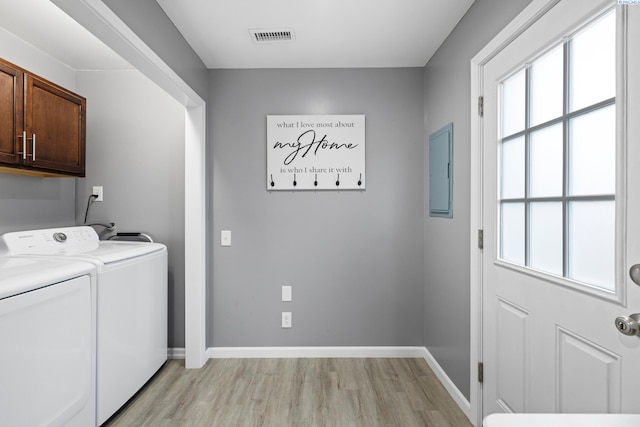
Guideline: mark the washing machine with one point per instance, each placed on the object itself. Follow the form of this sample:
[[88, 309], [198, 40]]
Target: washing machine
[[48, 342], [131, 304]]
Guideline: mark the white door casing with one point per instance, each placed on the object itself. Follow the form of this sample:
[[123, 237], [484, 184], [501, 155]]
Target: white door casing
[[548, 347]]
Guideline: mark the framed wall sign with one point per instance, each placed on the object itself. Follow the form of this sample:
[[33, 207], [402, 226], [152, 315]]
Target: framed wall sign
[[306, 152]]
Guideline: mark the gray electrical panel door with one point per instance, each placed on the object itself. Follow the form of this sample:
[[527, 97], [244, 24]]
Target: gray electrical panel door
[[441, 172]]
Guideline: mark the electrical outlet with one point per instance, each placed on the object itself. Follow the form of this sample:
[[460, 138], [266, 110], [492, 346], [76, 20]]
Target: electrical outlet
[[286, 319], [97, 190]]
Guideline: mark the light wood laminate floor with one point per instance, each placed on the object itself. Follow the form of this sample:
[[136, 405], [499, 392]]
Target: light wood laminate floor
[[293, 392]]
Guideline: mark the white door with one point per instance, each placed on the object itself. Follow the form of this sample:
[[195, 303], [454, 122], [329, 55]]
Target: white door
[[561, 213]]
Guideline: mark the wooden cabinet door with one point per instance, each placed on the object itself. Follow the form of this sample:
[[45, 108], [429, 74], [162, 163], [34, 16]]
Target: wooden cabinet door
[[55, 125], [11, 118]]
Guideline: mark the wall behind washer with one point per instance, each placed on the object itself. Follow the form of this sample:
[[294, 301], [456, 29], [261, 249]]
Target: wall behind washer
[[135, 150], [353, 258], [28, 202]]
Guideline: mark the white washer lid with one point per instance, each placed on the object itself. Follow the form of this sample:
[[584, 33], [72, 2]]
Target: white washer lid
[[18, 275]]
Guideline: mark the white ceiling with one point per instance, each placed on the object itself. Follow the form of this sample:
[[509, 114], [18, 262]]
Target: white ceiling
[[43, 25], [328, 33]]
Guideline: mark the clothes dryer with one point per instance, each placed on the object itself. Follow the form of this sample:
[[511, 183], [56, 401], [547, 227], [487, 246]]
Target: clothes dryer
[[131, 305], [47, 334]]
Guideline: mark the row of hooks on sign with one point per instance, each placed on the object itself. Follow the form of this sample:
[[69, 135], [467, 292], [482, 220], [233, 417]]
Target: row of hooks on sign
[[315, 181]]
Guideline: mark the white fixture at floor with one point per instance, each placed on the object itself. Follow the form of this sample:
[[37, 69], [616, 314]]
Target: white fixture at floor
[[562, 420]]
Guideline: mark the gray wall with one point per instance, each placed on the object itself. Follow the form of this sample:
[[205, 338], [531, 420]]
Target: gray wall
[[147, 19], [29, 202], [447, 94], [135, 150], [353, 258]]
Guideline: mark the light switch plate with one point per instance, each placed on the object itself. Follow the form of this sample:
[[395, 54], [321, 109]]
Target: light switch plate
[[286, 293], [225, 238]]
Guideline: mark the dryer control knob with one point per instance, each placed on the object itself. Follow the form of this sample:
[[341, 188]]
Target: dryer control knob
[[60, 237]]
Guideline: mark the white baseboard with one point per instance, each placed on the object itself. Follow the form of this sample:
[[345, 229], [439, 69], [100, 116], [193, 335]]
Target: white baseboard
[[337, 352], [455, 393], [176, 353], [312, 352]]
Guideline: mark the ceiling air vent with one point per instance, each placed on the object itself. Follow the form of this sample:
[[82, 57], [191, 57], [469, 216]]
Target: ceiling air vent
[[272, 36]]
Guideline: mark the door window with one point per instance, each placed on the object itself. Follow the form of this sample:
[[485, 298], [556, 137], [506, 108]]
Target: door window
[[557, 159]]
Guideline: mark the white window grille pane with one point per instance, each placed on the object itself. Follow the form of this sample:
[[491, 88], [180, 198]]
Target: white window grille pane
[[545, 86], [592, 63], [545, 237], [512, 169], [592, 243], [512, 233], [592, 153], [546, 162], [513, 103]]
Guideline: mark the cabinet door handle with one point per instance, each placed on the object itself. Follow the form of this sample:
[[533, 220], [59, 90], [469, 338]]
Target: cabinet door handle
[[33, 148], [24, 145]]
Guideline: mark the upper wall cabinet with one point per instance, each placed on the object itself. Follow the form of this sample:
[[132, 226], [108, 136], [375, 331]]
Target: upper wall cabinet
[[11, 94], [42, 126]]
